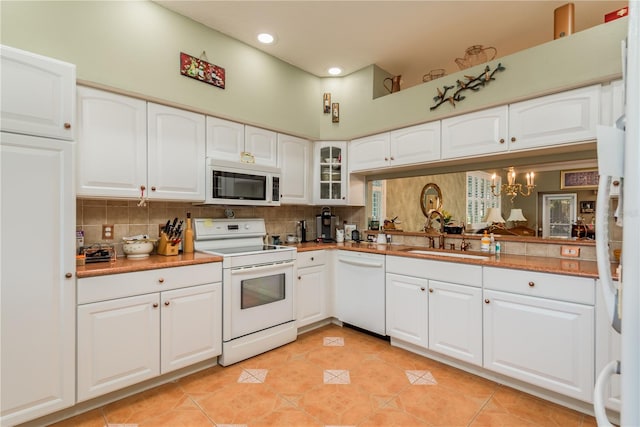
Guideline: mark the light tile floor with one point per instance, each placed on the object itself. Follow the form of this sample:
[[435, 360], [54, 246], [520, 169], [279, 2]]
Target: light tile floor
[[337, 377]]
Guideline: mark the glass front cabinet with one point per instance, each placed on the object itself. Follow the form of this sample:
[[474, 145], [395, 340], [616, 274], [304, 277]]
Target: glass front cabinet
[[330, 173]]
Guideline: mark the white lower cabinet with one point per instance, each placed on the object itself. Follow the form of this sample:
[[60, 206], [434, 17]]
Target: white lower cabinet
[[123, 340], [455, 326], [407, 308], [541, 330], [447, 318], [312, 288]]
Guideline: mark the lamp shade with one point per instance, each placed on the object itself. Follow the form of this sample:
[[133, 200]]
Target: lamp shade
[[516, 215], [494, 215]]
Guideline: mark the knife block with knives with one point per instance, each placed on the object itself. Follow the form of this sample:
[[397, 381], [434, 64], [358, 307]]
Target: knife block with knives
[[170, 238]]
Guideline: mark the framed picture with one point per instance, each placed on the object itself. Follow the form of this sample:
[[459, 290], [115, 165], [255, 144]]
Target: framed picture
[[579, 178], [588, 206], [326, 103], [335, 112], [199, 69]]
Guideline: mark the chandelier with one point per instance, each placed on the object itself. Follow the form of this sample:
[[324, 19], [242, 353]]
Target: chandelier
[[512, 188]]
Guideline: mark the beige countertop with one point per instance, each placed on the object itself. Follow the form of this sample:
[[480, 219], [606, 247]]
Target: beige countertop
[[127, 265]]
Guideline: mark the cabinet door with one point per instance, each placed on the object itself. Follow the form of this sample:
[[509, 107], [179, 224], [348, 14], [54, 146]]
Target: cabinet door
[[473, 134], [311, 299], [176, 154], [191, 326], [330, 173], [118, 344], [111, 144], [262, 144], [371, 152], [561, 118], [543, 342], [407, 305], [455, 321], [225, 139], [37, 313], [294, 160], [415, 144], [38, 94]]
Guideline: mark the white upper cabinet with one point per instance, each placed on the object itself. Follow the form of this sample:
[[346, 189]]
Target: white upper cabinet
[[262, 144], [562, 118], [111, 144], [407, 146], [175, 154], [294, 160], [38, 94], [370, 152], [473, 134], [227, 140], [415, 144]]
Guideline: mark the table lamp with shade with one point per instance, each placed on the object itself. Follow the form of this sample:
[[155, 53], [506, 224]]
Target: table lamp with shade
[[516, 216], [495, 221], [519, 223]]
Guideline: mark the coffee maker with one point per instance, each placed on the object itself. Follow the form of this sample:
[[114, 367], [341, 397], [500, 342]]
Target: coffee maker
[[326, 225]]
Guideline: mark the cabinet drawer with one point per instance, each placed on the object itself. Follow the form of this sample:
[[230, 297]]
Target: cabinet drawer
[[103, 288], [565, 288], [451, 272], [311, 258]]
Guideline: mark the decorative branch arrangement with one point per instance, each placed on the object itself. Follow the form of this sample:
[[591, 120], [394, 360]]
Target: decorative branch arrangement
[[472, 83]]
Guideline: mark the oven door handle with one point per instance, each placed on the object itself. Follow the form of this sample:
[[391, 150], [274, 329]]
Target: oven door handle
[[360, 263], [260, 268]]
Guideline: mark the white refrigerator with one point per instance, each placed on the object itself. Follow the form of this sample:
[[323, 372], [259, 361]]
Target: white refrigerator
[[619, 155]]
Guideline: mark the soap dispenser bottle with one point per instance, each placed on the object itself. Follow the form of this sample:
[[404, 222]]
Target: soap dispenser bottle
[[485, 242]]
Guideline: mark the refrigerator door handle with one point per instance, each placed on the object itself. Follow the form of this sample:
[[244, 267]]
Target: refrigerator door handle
[[610, 369]]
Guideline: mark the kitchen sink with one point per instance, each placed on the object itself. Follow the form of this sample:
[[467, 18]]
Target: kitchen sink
[[448, 254]]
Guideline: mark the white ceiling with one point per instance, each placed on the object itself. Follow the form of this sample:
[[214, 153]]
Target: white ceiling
[[409, 38]]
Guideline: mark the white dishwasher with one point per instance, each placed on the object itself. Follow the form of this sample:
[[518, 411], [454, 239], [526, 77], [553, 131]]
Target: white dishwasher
[[360, 290]]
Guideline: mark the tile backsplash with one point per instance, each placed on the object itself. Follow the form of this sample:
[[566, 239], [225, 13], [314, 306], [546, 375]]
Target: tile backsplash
[[129, 219]]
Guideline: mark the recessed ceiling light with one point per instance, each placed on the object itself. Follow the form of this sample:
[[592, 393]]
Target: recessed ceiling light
[[265, 38], [334, 71]]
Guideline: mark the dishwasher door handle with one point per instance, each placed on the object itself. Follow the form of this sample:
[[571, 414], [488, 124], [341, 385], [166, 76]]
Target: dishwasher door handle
[[360, 263]]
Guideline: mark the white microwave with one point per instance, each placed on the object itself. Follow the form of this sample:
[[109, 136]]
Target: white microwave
[[230, 183]]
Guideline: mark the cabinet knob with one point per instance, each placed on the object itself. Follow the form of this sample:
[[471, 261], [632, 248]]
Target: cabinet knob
[[153, 188], [501, 140], [392, 158], [312, 258], [343, 197], [161, 280], [615, 183], [142, 188], [431, 290], [167, 303], [299, 277], [513, 139], [487, 301], [531, 284], [386, 158], [68, 275], [67, 125], [422, 288], [155, 305]]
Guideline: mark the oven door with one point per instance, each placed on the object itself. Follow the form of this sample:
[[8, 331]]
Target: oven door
[[257, 298]]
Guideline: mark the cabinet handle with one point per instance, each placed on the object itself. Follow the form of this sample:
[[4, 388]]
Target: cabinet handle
[[615, 183], [161, 280], [153, 188], [431, 290], [392, 158], [487, 301], [531, 284], [422, 288], [501, 140], [67, 125], [312, 258], [155, 305], [386, 158], [343, 198], [142, 188], [68, 275], [299, 277], [167, 303], [513, 139]]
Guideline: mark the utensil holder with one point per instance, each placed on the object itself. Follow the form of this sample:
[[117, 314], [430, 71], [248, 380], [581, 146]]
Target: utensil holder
[[165, 247]]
